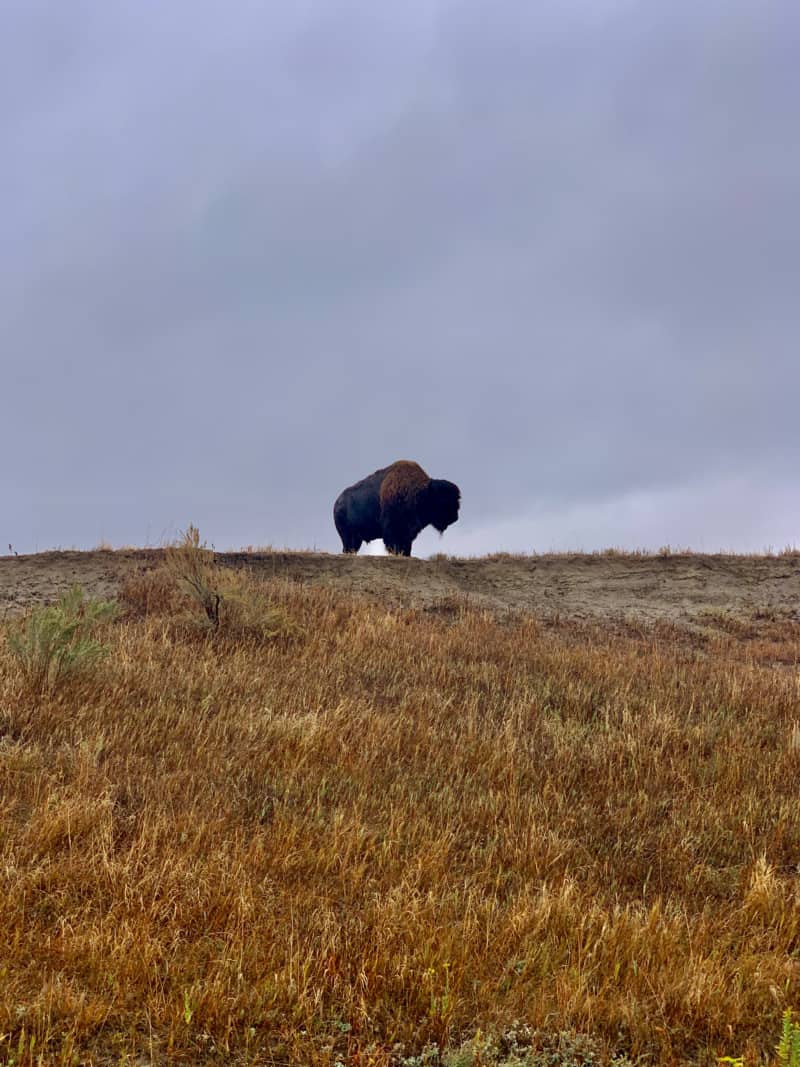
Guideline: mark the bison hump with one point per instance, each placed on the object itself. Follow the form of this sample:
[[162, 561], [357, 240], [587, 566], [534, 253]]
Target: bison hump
[[403, 482]]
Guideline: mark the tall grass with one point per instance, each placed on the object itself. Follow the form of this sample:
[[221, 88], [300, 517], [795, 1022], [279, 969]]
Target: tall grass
[[399, 828]]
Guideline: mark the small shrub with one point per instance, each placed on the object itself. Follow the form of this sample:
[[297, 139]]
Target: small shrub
[[55, 642], [520, 1046], [192, 565], [247, 611], [231, 604]]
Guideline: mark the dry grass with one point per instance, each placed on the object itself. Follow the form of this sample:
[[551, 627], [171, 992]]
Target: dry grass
[[615, 552], [394, 826]]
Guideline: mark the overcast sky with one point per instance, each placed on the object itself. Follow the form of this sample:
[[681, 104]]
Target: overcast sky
[[250, 252]]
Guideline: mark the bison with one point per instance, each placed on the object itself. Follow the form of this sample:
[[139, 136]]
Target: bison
[[395, 503]]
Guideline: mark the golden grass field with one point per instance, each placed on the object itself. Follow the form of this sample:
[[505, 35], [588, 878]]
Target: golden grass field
[[527, 840]]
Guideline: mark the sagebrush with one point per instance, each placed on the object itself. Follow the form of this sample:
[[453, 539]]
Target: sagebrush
[[229, 604], [56, 642]]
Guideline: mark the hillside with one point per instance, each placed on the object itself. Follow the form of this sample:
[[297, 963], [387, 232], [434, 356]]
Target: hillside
[[397, 829]]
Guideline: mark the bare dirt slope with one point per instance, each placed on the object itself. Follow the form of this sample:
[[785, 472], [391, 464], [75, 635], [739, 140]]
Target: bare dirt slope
[[674, 588]]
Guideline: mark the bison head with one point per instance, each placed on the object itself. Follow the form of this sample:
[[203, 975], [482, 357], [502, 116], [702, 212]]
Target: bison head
[[443, 499]]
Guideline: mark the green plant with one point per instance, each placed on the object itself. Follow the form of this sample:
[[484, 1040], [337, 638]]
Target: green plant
[[439, 1006], [788, 1047], [55, 642]]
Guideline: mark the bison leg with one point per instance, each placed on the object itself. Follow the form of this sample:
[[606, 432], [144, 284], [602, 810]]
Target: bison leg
[[398, 547], [399, 529]]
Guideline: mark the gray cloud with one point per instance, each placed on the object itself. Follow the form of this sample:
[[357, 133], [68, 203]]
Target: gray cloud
[[550, 251]]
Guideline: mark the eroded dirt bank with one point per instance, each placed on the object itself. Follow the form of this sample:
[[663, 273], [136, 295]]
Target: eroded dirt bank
[[677, 588]]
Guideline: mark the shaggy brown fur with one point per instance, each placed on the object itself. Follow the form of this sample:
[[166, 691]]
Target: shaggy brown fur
[[403, 484]]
